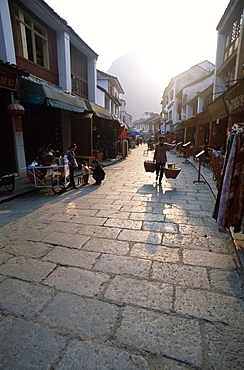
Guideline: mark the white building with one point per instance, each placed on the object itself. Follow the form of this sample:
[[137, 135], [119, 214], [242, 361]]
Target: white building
[[109, 92], [149, 125], [124, 115], [230, 48], [182, 89]]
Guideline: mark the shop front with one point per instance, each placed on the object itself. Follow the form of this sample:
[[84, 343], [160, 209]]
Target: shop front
[[11, 152], [53, 118]]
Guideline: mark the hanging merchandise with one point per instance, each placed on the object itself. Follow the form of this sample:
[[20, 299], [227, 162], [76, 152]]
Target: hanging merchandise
[[229, 205]]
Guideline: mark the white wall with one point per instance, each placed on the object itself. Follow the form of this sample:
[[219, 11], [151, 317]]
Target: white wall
[[100, 99], [7, 51]]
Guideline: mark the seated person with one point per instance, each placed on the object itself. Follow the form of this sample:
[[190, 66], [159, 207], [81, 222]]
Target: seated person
[[220, 153], [98, 173]]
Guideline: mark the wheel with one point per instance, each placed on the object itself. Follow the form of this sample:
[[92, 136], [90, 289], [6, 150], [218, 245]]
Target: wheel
[[54, 189], [10, 187]]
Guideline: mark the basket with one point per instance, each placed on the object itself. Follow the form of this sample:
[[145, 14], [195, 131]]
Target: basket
[[150, 166], [171, 173]]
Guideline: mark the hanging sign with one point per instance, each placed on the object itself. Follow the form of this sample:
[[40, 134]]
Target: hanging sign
[[234, 98], [8, 80]]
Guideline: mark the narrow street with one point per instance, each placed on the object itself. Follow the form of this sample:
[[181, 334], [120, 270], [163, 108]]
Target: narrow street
[[128, 275]]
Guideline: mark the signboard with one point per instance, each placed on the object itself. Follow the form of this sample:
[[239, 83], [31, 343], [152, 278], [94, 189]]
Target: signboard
[[217, 109], [234, 98], [8, 80]]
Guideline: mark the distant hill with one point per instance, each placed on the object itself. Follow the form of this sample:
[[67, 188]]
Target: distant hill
[[142, 94]]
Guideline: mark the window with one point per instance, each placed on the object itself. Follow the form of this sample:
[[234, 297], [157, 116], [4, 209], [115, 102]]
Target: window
[[232, 38], [79, 86], [171, 95], [32, 39]]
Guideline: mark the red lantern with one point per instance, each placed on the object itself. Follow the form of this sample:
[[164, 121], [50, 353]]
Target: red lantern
[[15, 110]]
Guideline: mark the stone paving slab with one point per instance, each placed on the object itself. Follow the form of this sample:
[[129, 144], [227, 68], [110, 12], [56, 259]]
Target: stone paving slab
[[197, 231], [142, 236], [105, 205], [63, 227], [66, 239], [24, 233], [174, 273], [184, 220], [23, 299], [100, 231], [227, 281], [141, 293], [124, 224], [205, 258], [4, 256], [84, 316], [220, 245], [147, 217], [144, 209], [187, 241], [89, 220], [75, 280], [123, 265], [161, 334], [71, 257], [27, 248], [27, 345], [27, 269], [74, 213], [225, 347], [163, 227], [155, 252], [107, 246], [89, 355], [210, 306], [113, 214]]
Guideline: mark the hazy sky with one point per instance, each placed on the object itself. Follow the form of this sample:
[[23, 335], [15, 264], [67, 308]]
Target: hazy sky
[[169, 35]]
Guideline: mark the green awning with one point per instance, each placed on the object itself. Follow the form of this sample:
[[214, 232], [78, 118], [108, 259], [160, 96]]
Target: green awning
[[178, 126], [98, 110], [38, 93]]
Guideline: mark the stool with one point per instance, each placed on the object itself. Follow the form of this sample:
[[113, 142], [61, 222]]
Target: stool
[[80, 180]]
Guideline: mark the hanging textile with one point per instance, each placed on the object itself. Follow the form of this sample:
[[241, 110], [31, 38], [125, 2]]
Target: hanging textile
[[236, 198], [230, 200], [225, 191]]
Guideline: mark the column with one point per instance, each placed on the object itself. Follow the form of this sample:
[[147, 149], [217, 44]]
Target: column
[[7, 51], [64, 65]]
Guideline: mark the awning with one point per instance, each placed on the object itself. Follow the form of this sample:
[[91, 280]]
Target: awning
[[177, 127], [203, 117], [98, 110], [217, 109], [38, 93], [189, 122]]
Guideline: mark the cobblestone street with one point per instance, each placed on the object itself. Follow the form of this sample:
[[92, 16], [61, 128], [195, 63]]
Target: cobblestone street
[[128, 275]]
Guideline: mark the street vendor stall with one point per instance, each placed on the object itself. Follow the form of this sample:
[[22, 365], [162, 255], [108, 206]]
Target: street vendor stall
[[53, 176]]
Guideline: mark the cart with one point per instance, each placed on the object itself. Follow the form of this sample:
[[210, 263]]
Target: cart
[[54, 176], [7, 180]]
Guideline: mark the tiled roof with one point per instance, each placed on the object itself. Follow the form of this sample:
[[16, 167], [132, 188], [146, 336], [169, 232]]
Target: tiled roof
[[13, 68]]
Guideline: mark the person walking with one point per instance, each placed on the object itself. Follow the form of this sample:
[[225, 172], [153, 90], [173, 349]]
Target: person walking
[[160, 157], [98, 173], [70, 156]]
